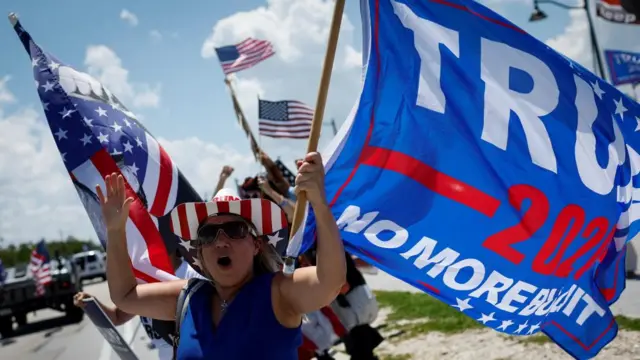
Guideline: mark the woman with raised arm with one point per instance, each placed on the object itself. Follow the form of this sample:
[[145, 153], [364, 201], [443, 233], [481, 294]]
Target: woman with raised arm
[[247, 309]]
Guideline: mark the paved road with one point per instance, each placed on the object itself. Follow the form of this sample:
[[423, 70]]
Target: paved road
[[47, 337]]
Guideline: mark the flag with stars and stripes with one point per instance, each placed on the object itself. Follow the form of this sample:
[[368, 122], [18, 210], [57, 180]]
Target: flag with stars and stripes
[[40, 267], [3, 273], [97, 135], [288, 119], [286, 173], [244, 55]]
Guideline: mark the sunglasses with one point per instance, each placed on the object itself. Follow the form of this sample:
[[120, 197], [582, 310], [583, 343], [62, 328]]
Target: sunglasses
[[253, 195], [234, 230]]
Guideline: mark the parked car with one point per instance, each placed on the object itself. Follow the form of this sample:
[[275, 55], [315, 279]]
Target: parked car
[[18, 294], [92, 264]]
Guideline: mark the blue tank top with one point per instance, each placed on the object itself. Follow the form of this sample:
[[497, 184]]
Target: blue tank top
[[248, 329]]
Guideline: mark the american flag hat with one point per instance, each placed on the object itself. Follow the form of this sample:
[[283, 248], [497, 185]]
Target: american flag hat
[[265, 215]]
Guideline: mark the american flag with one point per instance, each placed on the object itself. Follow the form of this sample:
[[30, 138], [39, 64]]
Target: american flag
[[244, 55], [2, 273], [286, 173], [40, 267], [284, 119], [97, 135]]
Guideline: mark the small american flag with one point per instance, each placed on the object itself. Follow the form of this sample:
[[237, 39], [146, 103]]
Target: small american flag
[[40, 267], [284, 119], [2, 273], [97, 135], [286, 173], [244, 55]]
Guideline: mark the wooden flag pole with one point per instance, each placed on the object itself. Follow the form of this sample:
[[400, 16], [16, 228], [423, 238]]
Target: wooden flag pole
[[255, 148], [316, 125]]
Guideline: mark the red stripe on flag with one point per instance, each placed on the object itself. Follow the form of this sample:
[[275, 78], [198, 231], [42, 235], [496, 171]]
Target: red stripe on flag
[[142, 276], [245, 209], [140, 217], [267, 226], [164, 184], [201, 211], [432, 179], [184, 222], [223, 207]]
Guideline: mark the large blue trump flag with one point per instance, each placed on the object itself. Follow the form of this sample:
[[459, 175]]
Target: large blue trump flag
[[488, 170]]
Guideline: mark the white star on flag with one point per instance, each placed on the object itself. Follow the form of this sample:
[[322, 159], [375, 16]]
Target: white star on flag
[[86, 139], [103, 138], [128, 147], [185, 244], [101, 111], [61, 134], [533, 328], [596, 89], [505, 324], [48, 86], [463, 305], [486, 318], [638, 123], [274, 239], [196, 262], [521, 327], [54, 66], [116, 127], [620, 109]]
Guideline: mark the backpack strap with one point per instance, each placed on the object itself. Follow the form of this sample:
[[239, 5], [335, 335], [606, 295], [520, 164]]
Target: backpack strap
[[187, 291]]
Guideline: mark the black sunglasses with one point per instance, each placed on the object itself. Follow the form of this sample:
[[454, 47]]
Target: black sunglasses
[[234, 230]]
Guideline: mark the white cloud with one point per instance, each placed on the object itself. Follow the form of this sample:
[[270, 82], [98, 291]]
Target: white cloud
[[299, 31], [105, 65], [155, 35], [352, 57], [295, 27], [129, 17], [574, 42], [5, 95]]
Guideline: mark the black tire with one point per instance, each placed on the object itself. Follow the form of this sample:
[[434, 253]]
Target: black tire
[[6, 327], [21, 319], [74, 313]]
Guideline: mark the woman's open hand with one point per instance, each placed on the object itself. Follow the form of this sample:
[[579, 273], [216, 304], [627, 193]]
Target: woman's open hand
[[115, 205]]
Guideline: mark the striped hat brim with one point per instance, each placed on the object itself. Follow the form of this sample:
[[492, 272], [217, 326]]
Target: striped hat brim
[[265, 215]]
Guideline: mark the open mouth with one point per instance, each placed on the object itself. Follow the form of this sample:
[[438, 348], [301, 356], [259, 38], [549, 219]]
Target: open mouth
[[224, 261]]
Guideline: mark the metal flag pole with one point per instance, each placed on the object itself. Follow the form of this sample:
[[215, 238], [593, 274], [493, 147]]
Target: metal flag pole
[[316, 124]]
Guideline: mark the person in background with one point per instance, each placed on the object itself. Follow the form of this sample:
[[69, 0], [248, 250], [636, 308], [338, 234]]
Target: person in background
[[248, 300], [356, 307], [158, 331]]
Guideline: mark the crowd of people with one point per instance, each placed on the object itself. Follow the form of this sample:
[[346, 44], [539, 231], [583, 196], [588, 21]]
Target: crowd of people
[[240, 291]]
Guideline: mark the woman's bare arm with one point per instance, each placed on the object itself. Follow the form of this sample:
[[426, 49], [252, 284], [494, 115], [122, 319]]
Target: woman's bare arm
[[155, 300], [311, 288]]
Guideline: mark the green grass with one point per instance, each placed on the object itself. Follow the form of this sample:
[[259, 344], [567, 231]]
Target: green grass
[[396, 357], [437, 316]]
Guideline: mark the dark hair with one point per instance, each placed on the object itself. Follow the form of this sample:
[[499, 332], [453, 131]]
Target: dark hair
[[251, 184]]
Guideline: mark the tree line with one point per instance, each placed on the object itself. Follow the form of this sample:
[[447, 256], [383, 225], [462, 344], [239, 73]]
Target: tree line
[[21, 253]]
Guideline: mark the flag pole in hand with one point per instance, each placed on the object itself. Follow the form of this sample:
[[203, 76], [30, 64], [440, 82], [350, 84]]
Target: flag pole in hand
[[316, 125]]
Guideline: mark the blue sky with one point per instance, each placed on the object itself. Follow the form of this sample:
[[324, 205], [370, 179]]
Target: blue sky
[[161, 55], [194, 99]]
